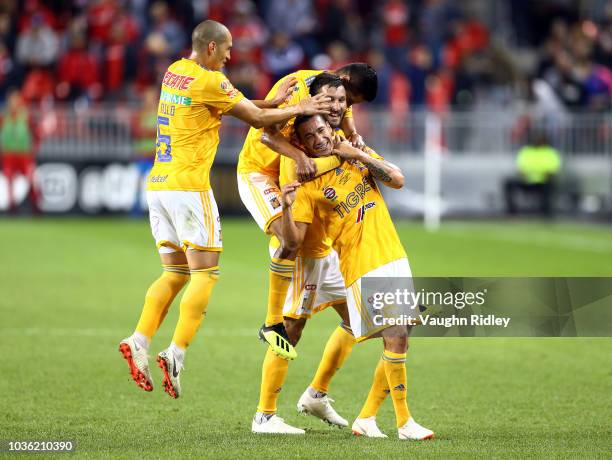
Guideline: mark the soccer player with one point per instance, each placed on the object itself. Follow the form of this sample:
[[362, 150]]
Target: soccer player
[[317, 284], [258, 173], [346, 205], [183, 214], [17, 144]]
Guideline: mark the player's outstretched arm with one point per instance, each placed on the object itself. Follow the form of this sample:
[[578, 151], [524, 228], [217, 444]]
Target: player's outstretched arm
[[285, 90], [386, 172], [305, 166], [349, 129], [293, 232], [248, 112]]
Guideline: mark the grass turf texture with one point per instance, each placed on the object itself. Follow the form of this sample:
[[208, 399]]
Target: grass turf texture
[[71, 289]]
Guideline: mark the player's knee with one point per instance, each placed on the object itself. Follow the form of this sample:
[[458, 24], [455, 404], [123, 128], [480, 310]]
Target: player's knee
[[294, 328], [287, 251], [395, 339]]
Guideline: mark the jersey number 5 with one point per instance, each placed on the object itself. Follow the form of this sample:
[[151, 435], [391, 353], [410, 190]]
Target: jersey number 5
[[163, 154]]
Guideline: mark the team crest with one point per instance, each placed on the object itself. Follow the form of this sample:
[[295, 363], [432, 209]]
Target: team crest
[[345, 178]]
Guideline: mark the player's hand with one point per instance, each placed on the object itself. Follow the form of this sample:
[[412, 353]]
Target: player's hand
[[274, 129], [305, 168], [356, 140], [319, 104], [345, 150], [285, 90], [288, 194]]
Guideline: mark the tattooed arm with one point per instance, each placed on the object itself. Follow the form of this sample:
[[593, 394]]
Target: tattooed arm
[[387, 173]]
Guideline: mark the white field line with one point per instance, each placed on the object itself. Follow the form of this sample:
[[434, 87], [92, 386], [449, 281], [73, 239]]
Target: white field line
[[537, 238]]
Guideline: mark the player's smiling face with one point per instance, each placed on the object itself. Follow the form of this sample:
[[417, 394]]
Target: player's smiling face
[[316, 136], [338, 104]]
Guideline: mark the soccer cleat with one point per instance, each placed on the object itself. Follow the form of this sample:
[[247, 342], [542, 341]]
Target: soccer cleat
[[412, 430], [367, 427], [171, 369], [274, 425], [138, 363], [276, 336], [320, 408]]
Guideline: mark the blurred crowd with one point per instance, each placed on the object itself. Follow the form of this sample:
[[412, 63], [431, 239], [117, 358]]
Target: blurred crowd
[[428, 53]]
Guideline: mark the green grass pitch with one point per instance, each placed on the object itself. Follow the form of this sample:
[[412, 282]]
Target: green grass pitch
[[71, 289]]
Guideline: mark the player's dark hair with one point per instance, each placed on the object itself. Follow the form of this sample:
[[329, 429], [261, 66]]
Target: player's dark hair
[[362, 79], [300, 120], [324, 79]]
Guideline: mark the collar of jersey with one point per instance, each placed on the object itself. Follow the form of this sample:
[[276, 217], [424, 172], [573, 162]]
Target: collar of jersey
[[198, 64]]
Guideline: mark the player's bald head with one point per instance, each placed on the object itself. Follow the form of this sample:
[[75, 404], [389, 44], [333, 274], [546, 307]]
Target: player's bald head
[[206, 32]]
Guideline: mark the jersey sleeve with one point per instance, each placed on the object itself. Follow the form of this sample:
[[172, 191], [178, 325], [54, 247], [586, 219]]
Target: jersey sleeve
[[288, 169], [303, 206], [215, 89], [287, 172], [349, 112]]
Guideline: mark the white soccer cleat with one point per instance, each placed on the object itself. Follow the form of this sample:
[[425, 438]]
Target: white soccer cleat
[[138, 363], [320, 408], [274, 425], [412, 430], [171, 369], [367, 427]]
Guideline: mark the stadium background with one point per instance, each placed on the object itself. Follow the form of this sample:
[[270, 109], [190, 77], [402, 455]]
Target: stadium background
[[463, 84]]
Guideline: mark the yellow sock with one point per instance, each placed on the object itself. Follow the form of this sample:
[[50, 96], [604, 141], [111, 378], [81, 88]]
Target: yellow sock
[[193, 305], [395, 370], [281, 273], [273, 373], [378, 392], [338, 348], [159, 297]]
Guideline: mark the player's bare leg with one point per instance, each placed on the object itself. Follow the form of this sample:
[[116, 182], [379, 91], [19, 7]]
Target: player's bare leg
[[315, 400], [158, 299], [204, 272]]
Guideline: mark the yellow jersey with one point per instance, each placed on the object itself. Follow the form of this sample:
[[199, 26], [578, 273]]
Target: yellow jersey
[[316, 244], [348, 205], [191, 103], [255, 156]]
